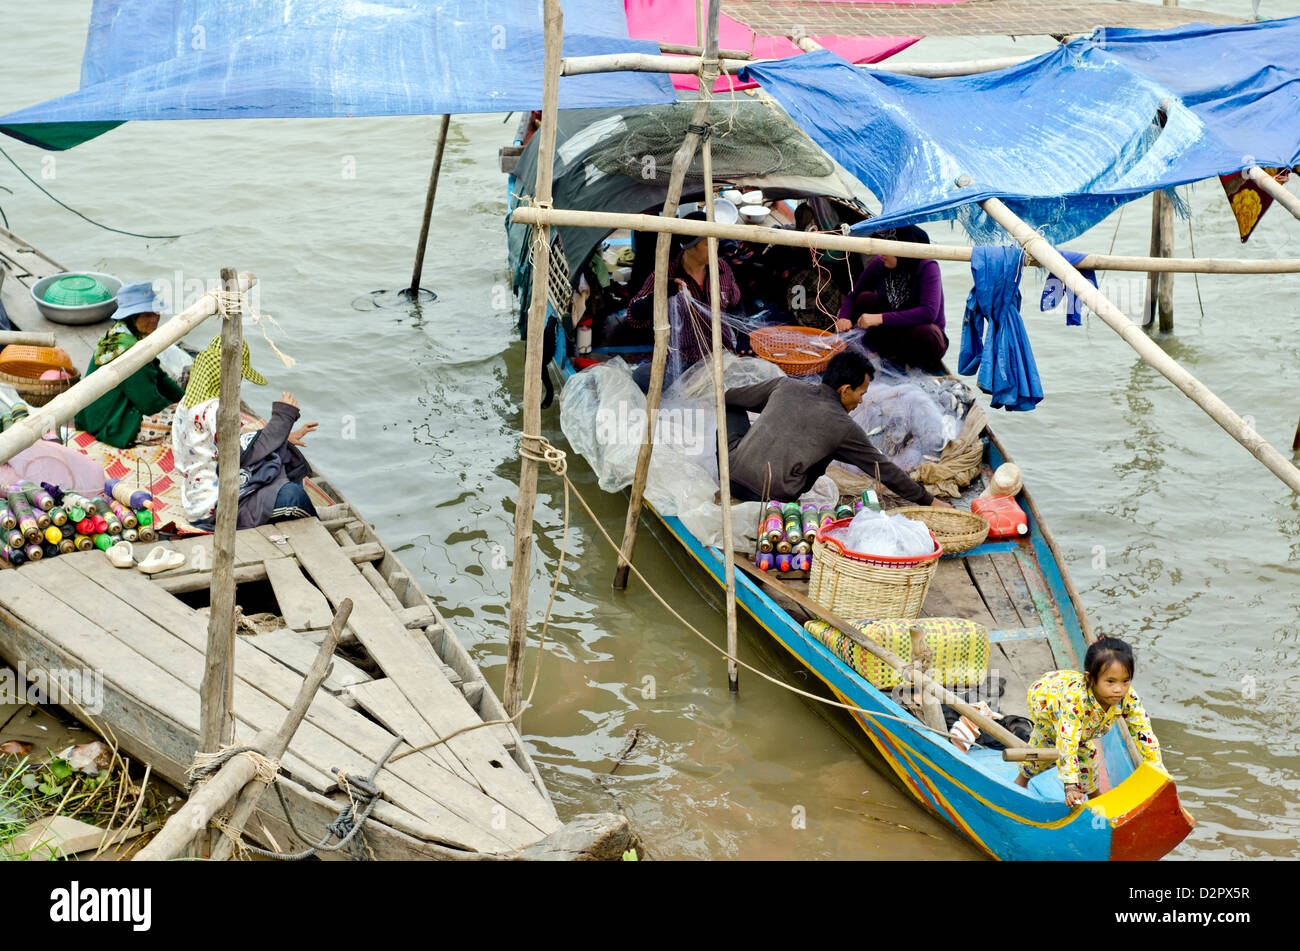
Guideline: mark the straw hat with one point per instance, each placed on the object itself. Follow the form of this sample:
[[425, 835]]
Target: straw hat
[[1006, 481]]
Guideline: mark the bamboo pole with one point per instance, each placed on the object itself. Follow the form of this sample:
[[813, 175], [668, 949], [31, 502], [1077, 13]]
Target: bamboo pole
[[66, 405], [28, 339], [1197, 391], [520, 571], [1160, 284], [756, 234], [681, 50], [690, 65], [428, 206], [1272, 187], [939, 692], [659, 359], [719, 392], [922, 658], [215, 690], [276, 746]]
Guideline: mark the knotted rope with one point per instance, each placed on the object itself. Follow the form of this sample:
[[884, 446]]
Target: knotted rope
[[205, 764], [231, 304]]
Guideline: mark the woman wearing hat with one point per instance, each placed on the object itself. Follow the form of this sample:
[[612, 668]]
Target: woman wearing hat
[[899, 302], [271, 467], [689, 271], [133, 411]]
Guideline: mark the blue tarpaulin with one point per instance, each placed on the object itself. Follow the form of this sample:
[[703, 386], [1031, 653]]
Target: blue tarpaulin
[[1064, 138], [217, 59]]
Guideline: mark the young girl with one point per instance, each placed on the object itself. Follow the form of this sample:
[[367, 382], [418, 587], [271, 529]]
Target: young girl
[[1072, 711]]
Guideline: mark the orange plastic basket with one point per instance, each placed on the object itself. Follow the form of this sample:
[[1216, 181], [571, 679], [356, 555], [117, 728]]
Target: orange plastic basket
[[798, 351], [30, 362]]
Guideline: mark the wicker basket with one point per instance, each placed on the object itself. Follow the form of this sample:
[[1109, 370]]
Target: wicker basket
[[798, 351], [855, 585], [955, 529], [21, 367]]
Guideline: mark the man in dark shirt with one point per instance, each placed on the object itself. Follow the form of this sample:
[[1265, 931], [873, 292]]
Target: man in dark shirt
[[801, 429]]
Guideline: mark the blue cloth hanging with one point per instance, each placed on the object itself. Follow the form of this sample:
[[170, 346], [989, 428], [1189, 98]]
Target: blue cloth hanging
[[1002, 356], [1054, 289]]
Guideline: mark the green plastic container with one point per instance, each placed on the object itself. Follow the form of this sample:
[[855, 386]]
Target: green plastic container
[[77, 290]]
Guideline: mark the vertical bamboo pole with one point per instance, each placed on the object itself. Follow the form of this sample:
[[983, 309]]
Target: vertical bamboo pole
[[1160, 284], [719, 392], [428, 206], [532, 425], [216, 726], [663, 244]]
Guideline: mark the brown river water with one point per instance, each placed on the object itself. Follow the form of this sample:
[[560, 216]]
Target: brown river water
[[1177, 538]]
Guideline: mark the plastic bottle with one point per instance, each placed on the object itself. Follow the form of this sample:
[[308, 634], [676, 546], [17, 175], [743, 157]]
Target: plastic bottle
[[83, 542], [103, 541], [26, 520], [803, 562], [144, 517], [1006, 518], [810, 523], [58, 516], [113, 525], [147, 533], [825, 515], [75, 500], [34, 552], [86, 526], [783, 547], [783, 561], [101, 524], [53, 535], [67, 546], [15, 539], [130, 535], [136, 498], [871, 500], [124, 514], [843, 511], [15, 556], [50, 551], [18, 412], [773, 524], [43, 520], [764, 561], [39, 498]]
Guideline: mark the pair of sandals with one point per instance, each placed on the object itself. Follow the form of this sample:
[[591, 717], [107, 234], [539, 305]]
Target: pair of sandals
[[122, 555]]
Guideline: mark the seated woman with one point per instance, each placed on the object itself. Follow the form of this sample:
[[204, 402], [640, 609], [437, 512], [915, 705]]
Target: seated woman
[[688, 272], [139, 409], [271, 467], [899, 302]]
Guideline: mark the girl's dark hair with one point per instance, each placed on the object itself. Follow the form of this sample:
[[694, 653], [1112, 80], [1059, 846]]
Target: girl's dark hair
[[1103, 652], [847, 368]]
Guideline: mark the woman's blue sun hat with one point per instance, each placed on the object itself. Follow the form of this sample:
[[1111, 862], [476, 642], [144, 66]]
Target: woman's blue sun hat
[[137, 298]]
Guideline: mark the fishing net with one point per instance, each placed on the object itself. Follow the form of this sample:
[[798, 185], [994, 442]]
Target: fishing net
[[750, 138]]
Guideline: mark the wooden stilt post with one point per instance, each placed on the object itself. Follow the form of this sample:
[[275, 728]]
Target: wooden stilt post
[[1160, 284], [216, 726], [520, 571], [719, 393], [428, 206], [659, 360], [1147, 348]]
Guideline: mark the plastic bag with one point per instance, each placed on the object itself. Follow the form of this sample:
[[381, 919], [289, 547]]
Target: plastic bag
[[889, 536], [905, 423], [823, 493]]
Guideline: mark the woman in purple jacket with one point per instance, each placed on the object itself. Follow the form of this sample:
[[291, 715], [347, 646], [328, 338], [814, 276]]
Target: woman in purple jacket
[[899, 303]]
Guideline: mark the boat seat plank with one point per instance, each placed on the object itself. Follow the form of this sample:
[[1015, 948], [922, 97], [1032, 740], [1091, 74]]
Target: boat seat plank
[[1017, 688], [1008, 569], [301, 603], [297, 653], [420, 679], [421, 784], [1032, 657], [952, 593], [993, 592], [1053, 624]]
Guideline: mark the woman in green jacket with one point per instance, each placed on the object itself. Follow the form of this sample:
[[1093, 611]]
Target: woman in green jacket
[[115, 418]]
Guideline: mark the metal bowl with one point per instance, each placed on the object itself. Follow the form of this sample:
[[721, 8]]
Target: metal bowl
[[85, 314]]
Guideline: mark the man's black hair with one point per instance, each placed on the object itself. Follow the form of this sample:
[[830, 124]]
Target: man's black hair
[[1103, 652], [848, 368]]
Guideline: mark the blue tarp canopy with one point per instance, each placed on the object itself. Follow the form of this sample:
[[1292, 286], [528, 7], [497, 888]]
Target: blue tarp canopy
[[217, 59], [1063, 138]]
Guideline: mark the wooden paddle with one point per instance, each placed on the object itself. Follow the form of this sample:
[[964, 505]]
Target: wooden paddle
[[985, 723]]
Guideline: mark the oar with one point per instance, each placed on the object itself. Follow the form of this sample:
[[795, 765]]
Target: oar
[[985, 723]]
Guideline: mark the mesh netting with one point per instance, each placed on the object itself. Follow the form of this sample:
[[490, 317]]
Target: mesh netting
[[750, 139]]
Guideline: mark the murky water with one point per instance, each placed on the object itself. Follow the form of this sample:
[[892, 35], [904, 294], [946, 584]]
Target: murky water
[[1178, 539]]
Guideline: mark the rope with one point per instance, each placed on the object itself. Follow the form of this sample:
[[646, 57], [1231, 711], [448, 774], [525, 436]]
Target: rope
[[231, 303], [62, 204], [205, 764]]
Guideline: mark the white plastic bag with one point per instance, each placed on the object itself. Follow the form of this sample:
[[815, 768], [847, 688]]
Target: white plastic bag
[[889, 536]]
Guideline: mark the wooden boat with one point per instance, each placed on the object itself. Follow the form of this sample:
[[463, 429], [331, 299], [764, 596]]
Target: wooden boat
[[401, 672], [1021, 592]]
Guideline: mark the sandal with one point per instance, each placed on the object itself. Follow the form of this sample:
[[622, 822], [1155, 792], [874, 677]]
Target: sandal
[[161, 559], [120, 555]]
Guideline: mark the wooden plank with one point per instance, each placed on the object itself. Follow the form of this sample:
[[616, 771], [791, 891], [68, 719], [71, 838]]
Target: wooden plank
[[952, 593], [1017, 689], [1049, 612], [422, 682], [255, 571], [422, 772], [1016, 633], [418, 616], [301, 604], [297, 653], [1032, 657], [990, 588], [1013, 581]]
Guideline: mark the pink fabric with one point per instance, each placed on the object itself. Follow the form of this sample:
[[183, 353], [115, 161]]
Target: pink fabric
[[673, 21], [47, 461]]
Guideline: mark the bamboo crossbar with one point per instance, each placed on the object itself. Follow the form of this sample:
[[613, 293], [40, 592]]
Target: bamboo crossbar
[[66, 405], [757, 234], [731, 61], [1275, 189]]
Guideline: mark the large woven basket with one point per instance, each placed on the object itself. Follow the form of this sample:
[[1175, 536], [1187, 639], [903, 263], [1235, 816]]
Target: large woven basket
[[21, 367], [798, 351], [855, 585], [956, 530]]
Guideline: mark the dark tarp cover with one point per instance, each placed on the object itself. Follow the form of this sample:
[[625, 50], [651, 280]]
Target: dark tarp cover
[[216, 59], [620, 160], [1063, 138]]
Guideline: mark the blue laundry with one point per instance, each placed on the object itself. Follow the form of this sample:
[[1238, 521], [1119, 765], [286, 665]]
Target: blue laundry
[[1054, 288], [1002, 356]]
